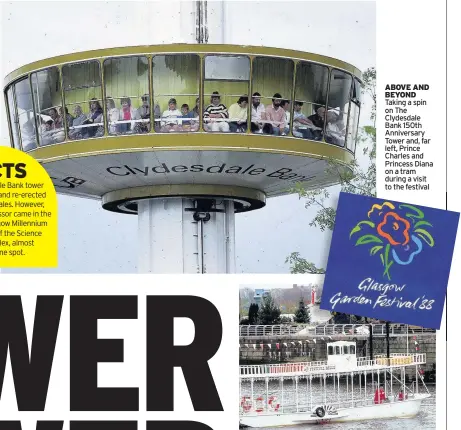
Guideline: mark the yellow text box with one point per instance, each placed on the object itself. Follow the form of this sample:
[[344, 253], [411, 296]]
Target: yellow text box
[[28, 212]]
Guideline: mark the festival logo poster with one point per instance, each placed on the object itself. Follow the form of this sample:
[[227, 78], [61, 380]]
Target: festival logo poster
[[389, 260]]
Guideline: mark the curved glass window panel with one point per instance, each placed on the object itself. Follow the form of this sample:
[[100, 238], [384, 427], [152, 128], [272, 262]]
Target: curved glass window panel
[[338, 350], [338, 107], [46, 87], [225, 97], [346, 349], [352, 349], [357, 91], [353, 126], [330, 350], [176, 83], [271, 77], [126, 83], [354, 116], [83, 99], [310, 101], [25, 110], [13, 117]]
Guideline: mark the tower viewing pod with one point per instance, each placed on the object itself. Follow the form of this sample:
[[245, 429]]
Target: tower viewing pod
[[175, 134]]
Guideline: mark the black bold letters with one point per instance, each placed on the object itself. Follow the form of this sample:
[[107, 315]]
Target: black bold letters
[[193, 358], [86, 350], [31, 377]]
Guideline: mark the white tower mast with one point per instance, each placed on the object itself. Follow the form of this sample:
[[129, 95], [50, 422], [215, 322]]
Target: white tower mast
[[187, 235]]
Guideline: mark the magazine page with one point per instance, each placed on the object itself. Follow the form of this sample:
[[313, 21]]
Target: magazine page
[[162, 163]]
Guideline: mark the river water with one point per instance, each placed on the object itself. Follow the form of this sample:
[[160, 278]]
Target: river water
[[425, 420]]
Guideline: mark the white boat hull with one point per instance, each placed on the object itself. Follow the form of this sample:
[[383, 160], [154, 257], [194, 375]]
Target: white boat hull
[[406, 409]]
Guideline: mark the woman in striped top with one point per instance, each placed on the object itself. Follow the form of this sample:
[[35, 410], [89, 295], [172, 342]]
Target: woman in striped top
[[215, 115]]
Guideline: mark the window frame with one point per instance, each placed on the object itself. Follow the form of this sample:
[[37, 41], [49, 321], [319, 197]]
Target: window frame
[[101, 78], [103, 89], [349, 104], [200, 74], [300, 63], [59, 69], [15, 123]]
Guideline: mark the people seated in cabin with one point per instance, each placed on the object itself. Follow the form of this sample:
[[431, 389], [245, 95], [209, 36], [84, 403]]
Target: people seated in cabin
[[48, 133], [46, 130], [169, 118], [238, 114], [318, 119], [113, 116], [286, 107], [257, 109], [196, 110], [191, 125], [128, 116], [143, 114], [216, 114], [335, 131], [274, 117], [94, 117], [74, 130], [54, 131], [57, 119], [302, 127], [28, 137], [69, 118], [157, 115]]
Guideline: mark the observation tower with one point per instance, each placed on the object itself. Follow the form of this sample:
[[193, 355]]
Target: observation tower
[[113, 125]]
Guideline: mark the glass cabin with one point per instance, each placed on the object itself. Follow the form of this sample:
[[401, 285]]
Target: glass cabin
[[184, 89]]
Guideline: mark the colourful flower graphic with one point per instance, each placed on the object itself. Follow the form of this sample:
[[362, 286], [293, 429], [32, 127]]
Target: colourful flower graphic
[[397, 233]]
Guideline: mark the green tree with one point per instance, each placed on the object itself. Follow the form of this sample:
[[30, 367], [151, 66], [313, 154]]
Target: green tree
[[353, 178], [302, 313], [253, 314], [269, 313]]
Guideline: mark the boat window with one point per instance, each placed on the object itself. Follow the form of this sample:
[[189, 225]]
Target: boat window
[[352, 350], [127, 98], [346, 349], [225, 97], [25, 112], [337, 350], [176, 83], [310, 100], [330, 350], [83, 99], [46, 87], [338, 107], [13, 116], [273, 80]]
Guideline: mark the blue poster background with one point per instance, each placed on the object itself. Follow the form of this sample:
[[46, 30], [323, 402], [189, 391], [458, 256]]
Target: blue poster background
[[425, 273]]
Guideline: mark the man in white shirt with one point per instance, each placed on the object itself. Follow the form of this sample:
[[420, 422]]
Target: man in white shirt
[[286, 107], [257, 109], [169, 118], [302, 126]]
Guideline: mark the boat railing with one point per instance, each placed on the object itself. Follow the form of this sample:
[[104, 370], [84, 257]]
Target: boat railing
[[331, 330], [400, 359], [319, 366], [301, 367]]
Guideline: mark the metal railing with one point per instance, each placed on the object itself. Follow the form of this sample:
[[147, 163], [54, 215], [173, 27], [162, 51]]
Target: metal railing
[[319, 366], [327, 330]]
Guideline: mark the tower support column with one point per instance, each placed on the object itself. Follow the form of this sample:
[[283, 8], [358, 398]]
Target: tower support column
[[174, 237]]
